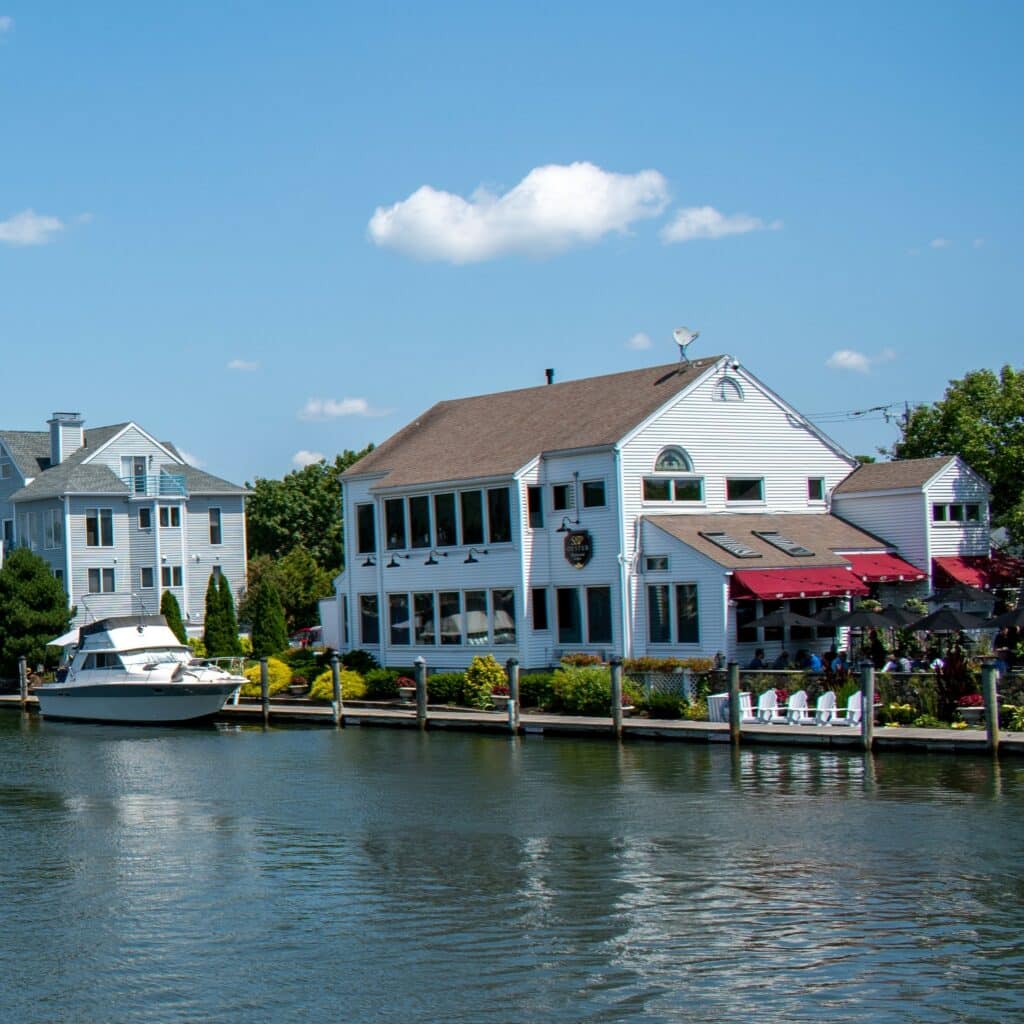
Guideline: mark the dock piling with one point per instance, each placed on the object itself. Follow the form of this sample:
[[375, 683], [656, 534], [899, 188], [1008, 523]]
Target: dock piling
[[616, 667], [265, 691], [512, 669], [735, 711], [989, 675], [420, 665], [867, 701], [337, 707], [23, 683]]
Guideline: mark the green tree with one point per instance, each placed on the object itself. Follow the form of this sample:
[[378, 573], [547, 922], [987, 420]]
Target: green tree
[[171, 611], [33, 610], [300, 582], [269, 631], [981, 419], [232, 644], [301, 510], [214, 632]]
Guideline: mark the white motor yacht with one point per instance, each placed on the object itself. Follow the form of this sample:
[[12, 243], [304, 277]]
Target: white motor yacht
[[134, 669]]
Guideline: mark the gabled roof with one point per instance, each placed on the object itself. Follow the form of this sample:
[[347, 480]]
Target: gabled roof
[[497, 434], [197, 481], [901, 474], [821, 533], [28, 449]]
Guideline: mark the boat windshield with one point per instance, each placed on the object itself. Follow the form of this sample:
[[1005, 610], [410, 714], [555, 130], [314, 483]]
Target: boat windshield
[[163, 656], [103, 659]]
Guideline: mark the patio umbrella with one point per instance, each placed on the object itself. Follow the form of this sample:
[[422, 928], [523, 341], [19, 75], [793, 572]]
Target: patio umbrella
[[961, 593], [863, 619], [827, 616], [899, 616], [1007, 620], [779, 619], [948, 620]]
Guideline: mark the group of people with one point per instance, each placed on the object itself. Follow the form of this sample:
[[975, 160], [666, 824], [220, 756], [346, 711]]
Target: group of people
[[805, 661]]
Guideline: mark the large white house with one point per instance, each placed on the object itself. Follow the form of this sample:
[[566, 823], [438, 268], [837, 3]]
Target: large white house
[[653, 512], [120, 517]]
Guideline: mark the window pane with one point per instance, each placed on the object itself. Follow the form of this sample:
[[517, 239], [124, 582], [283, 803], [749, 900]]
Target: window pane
[[472, 517], [972, 513], [215, 532], [599, 615], [939, 513], [366, 529], [145, 518], [369, 620], [451, 617], [108, 581], [146, 577], [658, 629], [476, 617], [94, 581], [106, 528], [768, 608], [423, 611], [92, 527], [394, 522], [540, 608], [687, 619], [746, 612], [499, 515], [561, 497], [444, 520], [504, 616], [689, 490], [657, 490], [398, 610], [744, 490], [815, 488], [673, 460], [593, 494], [656, 563], [569, 631], [419, 521], [535, 503], [956, 513]]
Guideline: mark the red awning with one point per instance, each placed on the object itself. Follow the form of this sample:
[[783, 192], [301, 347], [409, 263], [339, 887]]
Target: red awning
[[984, 571], [782, 584], [878, 567]]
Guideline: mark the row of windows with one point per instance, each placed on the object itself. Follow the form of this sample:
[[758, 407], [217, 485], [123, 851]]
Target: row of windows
[[102, 581], [563, 499], [691, 488], [456, 618], [99, 524], [956, 512]]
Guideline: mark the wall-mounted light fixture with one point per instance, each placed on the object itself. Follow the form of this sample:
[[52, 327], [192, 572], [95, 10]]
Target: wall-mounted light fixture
[[369, 563], [393, 564], [564, 528], [434, 554], [469, 559]]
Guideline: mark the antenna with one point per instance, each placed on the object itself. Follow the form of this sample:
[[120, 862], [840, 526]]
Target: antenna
[[684, 338]]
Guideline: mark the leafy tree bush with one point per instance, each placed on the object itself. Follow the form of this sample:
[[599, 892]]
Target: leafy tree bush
[[588, 691], [536, 690], [269, 632], [230, 620], [447, 688], [483, 674], [353, 686], [214, 633], [33, 610], [664, 705], [279, 677], [171, 611], [381, 684], [359, 661]]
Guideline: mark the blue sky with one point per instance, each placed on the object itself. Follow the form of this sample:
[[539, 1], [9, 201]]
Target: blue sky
[[266, 232]]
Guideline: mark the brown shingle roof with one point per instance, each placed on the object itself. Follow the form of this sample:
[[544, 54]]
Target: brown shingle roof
[[818, 532], [893, 476], [495, 435]]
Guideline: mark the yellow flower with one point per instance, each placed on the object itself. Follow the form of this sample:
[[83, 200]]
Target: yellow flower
[[959, 725]]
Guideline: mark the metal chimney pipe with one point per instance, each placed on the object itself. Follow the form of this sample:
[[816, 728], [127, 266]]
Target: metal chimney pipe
[[550, 374]]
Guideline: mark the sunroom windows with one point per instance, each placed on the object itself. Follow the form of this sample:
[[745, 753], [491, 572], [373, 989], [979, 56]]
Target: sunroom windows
[[474, 618], [673, 613], [464, 517]]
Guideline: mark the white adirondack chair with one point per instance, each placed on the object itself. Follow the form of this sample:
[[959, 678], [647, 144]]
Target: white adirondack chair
[[796, 708], [852, 713], [767, 707], [824, 709]]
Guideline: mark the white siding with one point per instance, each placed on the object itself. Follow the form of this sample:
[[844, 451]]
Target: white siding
[[118, 557], [900, 519], [201, 556], [957, 483], [132, 441]]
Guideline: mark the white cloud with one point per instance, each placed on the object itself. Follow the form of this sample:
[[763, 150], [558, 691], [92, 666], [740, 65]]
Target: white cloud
[[333, 408], [243, 364], [706, 222], [6, 23], [639, 341], [302, 458], [29, 228], [940, 243], [192, 460], [552, 208], [859, 362], [978, 243]]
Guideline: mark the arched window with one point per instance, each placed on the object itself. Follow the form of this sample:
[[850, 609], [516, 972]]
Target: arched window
[[673, 460], [729, 390]]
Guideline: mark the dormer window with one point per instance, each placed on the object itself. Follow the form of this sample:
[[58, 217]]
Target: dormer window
[[673, 460]]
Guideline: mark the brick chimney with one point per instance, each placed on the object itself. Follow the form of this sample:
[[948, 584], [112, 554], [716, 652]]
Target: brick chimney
[[66, 435]]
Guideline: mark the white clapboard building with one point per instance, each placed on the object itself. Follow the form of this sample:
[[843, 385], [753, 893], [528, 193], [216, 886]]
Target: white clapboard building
[[653, 512]]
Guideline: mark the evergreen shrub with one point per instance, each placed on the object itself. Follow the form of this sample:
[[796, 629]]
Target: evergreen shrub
[[381, 684], [536, 690], [588, 691], [664, 705], [359, 661], [446, 687], [353, 686]]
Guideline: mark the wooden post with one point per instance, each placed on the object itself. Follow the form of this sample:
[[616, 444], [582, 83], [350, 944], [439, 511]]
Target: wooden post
[[989, 675], [421, 691], [616, 667], [23, 683], [338, 708], [735, 711], [867, 702], [265, 691], [512, 668]]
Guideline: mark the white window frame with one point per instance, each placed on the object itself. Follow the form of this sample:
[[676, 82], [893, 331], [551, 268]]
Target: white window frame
[[101, 574], [99, 516], [143, 585], [220, 526]]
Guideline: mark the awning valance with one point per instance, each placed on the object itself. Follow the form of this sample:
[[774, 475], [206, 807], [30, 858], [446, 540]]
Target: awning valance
[[784, 584], [878, 567], [971, 570]]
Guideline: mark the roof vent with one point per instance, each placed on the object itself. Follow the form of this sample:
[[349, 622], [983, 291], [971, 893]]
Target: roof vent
[[550, 374]]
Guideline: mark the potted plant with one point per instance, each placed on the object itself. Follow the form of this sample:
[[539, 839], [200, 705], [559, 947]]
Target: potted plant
[[298, 686], [500, 697], [406, 689], [971, 708]]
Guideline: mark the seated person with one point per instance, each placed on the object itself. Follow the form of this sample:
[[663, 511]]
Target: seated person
[[800, 661], [814, 663], [839, 662], [782, 661], [758, 659]]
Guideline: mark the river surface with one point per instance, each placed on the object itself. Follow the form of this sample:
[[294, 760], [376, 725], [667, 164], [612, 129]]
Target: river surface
[[235, 875]]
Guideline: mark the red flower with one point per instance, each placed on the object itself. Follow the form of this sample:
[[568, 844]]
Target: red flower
[[971, 700]]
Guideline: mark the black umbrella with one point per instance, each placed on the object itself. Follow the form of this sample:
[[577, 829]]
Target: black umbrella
[[863, 619], [948, 620], [1007, 620], [899, 616], [827, 616], [779, 619], [960, 593]]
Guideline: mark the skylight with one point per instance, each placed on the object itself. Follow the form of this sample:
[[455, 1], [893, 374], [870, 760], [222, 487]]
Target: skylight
[[783, 543], [729, 543]]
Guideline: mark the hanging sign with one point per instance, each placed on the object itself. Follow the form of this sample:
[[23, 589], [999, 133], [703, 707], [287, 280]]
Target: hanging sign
[[579, 548]]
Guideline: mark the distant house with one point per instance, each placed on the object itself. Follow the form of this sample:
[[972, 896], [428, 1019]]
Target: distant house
[[120, 517], [654, 512]]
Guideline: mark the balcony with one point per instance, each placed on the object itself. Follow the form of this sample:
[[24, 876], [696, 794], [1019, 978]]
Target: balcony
[[156, 485]]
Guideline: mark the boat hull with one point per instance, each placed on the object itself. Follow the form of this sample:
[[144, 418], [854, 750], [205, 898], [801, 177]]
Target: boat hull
[[140, 703]]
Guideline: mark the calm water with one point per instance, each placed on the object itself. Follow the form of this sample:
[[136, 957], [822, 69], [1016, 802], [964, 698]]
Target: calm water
[[371, 875]]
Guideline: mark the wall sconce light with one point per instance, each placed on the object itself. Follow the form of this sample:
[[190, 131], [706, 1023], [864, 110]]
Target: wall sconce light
[[393, 564], [470, 560], [195, 558], [564, 528], [431, 559], [369, 563]]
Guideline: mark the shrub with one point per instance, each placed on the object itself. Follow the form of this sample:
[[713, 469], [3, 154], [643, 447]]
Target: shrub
[[483, 674], [668, 664], [446, 687], [536, 690], [928, 722], [579, 659], [664, 705], [1016, 723], [896, 714], [301, 659], [696, 711], [588, 691], [197, 646], [362, 662], [279, 677], [353, 686], [381, 684]]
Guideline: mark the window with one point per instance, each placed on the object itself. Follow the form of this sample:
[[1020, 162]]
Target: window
[[394, 522], [170, 576], [740, 489], [5, 471], [568, 606], [99, 528], [815, 488], [802, 607], [451, 616], [938, 513], [673, 460], [8, 534], [729, 390], [472, 503], [58, 575], [687, 616], [146, 577], [476, 616], [366, 529], [659, 628], [53, 529], [659, 488], [957, 512], [688, 490], [593, 494], [444, 520], [499, 516], [561, 497], [369, 620], [504, 604], [145, 517], [101, 581], [972, 513], [423, 618], [746, 612], [398, 618], [656, 563], [539, 597], [419, 521], [535, 507], [216, 534], [170, 516], [599, 615], [344, 619]]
